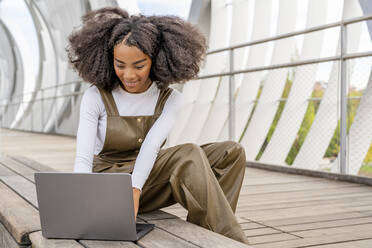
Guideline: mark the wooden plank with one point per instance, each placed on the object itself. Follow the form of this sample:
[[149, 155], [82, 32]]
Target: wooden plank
[[6, 240], [366, 212], [18, 216], [272, 238], [346, 202], [305, 194], [32, 164], [242, 220], [326, 224], [156, 215], [293, 187], [18, 168], [313, 173], [279, 180], [251, 225], [260, 231], [258, 173], [320, 240], [38, 241], [158, 238], [258, 201], [197, 235], [294, 196], [334, 230], [312, 219], [354, 244], [277, 214], [19, 184], [177, 210], [60, 149], [275, 198], [367, 207], [174, 206], [354, 197], [107, 244]]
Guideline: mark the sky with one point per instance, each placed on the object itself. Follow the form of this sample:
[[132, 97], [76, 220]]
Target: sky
[[165, 7], [17, 18]]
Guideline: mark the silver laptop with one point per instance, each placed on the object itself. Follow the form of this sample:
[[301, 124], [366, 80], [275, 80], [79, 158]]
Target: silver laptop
[[88, 206]]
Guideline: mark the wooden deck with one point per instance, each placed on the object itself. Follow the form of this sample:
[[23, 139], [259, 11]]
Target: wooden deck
[[274, 209]]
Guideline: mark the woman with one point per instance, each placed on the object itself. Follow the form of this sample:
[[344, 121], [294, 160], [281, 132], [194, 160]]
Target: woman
[[127, 113]]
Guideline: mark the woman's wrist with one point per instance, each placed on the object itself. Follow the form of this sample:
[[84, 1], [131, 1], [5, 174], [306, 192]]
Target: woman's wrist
[[135, 188]]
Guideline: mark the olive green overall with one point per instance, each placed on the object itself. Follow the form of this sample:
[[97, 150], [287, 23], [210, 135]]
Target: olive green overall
[[206, 179]]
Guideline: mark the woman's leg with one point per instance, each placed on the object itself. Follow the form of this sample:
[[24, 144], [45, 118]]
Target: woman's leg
[[228, 163], [183, 174]]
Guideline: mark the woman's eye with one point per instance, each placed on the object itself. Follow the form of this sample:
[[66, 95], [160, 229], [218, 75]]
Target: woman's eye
[[120, 66], [140, 67]]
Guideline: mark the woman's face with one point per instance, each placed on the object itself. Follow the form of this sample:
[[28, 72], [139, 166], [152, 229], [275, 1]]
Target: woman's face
[[132, 67]]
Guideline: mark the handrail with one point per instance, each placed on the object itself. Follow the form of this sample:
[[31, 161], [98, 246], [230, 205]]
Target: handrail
[[291, 34], [43, 89], [292, 64]]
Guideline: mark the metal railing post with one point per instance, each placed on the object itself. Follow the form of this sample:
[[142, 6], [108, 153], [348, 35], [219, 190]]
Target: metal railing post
[[42, 110], [231, 97], [72, 103], [2, 113], [343, 102], [32, 118]]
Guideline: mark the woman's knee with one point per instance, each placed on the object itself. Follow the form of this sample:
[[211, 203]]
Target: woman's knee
[[236, 150], [235, 147], [191, 159], [191, 150]]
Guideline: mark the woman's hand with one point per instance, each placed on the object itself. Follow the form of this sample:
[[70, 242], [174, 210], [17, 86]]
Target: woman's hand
[[136, 197]]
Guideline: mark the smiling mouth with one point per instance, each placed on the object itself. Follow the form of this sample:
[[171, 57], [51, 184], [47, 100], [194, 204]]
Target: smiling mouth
[[130, 84]]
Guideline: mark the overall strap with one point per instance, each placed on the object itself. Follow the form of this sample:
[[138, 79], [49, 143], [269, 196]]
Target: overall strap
[[110, 105], [162, 99]]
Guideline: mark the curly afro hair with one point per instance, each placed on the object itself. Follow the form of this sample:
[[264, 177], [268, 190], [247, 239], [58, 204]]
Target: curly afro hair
[[176, 47]]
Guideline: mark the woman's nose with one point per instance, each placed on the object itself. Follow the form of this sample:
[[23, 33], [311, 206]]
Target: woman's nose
[[129, 76]]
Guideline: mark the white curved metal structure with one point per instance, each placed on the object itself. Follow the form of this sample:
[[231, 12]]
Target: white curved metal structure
[[47, 73], [220, 29], [325, 122], [360, 134], [8, 65], [11, 75], [250, 82], [220, 107], [301, 89], [273, 84], [54, 21]]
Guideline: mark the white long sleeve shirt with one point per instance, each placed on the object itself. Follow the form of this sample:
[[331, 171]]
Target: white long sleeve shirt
[[93, 119]]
